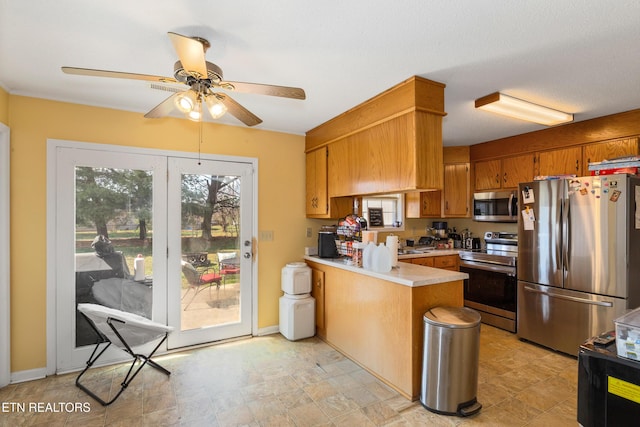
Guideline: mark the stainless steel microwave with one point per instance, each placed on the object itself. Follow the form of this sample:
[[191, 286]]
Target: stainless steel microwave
[[498, 206]]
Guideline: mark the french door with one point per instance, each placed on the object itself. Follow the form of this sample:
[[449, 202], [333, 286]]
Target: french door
[[124, 234], [210, 250]]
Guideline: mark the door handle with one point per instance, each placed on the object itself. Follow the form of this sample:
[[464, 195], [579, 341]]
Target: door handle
[[570, 298]]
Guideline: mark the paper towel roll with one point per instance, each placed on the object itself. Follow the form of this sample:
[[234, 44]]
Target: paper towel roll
[[392, 245], [138, 267]]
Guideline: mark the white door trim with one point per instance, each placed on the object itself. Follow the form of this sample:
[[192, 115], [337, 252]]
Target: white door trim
[[52, 146], [5, 252]]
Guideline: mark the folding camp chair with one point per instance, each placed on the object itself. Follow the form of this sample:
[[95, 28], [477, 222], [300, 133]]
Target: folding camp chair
[[124, 330]]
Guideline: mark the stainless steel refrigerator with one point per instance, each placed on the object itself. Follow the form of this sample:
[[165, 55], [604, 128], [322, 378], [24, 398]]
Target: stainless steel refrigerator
[[578, 258]]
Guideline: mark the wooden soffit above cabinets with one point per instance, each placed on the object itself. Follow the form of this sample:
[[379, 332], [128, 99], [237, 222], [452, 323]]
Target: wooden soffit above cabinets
[[413, 94], [389, 143]]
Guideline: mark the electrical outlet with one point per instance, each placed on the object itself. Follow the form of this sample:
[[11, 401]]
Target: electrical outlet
[[308, 231], [266, 236]]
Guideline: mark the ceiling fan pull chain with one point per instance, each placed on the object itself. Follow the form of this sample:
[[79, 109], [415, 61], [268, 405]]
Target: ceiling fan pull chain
[[200, 142]]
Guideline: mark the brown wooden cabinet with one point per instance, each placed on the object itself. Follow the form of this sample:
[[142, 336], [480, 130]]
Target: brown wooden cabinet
[[565, 161], [446, 262], [425, 204], [390, 143], [504, 173], [457, 190], [317, 292], [452, 201], [575, 160], [316, 175], [600, 151], [318, 203], [426, 261], [487, 175]]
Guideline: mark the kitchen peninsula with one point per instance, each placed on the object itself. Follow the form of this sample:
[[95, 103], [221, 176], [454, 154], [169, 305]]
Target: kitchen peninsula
[[376, 319]]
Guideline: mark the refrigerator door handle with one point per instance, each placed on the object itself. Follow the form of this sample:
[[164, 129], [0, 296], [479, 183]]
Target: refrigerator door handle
[[569, 297], [566, 242], [559, 234]]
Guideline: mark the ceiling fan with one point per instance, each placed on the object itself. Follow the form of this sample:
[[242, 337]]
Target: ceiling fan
[[203, 79]]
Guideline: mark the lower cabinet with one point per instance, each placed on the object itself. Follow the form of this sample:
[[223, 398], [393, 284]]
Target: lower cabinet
[[447, 262], [317, 291]]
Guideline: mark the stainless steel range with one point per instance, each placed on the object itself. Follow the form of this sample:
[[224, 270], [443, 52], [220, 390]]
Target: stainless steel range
[[492, 283]]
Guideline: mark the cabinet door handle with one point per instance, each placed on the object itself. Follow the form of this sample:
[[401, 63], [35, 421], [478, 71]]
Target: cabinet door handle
[[577, 165], [497, 178], [505, 177]]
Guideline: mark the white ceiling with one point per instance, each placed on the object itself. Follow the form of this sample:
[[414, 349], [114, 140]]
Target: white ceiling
[[578, 56]]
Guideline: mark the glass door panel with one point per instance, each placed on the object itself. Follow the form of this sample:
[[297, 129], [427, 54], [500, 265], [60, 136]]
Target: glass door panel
[[113, 235], [210, 218], [108, 206]]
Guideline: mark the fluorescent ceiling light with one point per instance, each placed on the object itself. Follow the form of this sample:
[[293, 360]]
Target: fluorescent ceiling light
[[523, 110]]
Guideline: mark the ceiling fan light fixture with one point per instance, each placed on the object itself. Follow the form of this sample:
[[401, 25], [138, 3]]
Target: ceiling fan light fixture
[[517, 108], [187, 101], [216, 108], [195, 114]]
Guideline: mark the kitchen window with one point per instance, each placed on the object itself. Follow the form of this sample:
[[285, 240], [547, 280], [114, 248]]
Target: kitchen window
[[384, 213]]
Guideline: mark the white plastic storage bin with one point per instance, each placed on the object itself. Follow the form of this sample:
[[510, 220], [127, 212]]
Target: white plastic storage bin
[[628, 335], [296, 278], [297, 316]]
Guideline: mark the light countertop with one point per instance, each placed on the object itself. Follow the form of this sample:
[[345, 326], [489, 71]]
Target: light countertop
[[406, 274]]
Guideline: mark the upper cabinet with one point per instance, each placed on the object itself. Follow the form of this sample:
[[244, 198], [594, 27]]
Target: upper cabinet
[[565, 161], [423, 204], [454, 199], [316, 172], [558, 150], [457, 191], [575, 160], [600, 151], [503, 173], [390, 143], [318, 204]]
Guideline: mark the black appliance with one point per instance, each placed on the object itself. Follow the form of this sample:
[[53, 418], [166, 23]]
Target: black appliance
[[608, 386], [499, 206], [327, 244], [492, 283]]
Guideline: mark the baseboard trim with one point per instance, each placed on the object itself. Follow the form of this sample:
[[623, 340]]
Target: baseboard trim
[[269, 330], [28, 375]]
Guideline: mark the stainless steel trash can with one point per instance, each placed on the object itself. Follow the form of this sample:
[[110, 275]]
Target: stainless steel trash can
[[450, 361]]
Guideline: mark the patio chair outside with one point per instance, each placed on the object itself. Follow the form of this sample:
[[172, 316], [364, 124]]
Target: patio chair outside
[[199, 280], [229, 264]]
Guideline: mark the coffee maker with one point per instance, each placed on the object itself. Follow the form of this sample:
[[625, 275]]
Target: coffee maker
[[327, 244]]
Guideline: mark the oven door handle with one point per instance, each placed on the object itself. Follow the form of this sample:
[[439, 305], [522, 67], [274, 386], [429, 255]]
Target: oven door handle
[[510, 271]]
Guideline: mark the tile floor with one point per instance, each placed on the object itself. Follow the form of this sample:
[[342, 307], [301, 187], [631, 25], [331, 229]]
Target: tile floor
[[269, 381]]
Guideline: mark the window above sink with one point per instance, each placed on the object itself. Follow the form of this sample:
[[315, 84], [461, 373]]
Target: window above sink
[[384, 212]]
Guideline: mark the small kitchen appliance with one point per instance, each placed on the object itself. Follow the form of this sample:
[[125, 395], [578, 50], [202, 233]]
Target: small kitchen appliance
[[440, 229], [297, 306], [499, 206], [327, 244]]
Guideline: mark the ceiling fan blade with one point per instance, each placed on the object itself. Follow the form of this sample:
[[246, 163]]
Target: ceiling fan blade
[[191, 54], [262, 89], [238, 111], [117, 75], [163, 109]]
